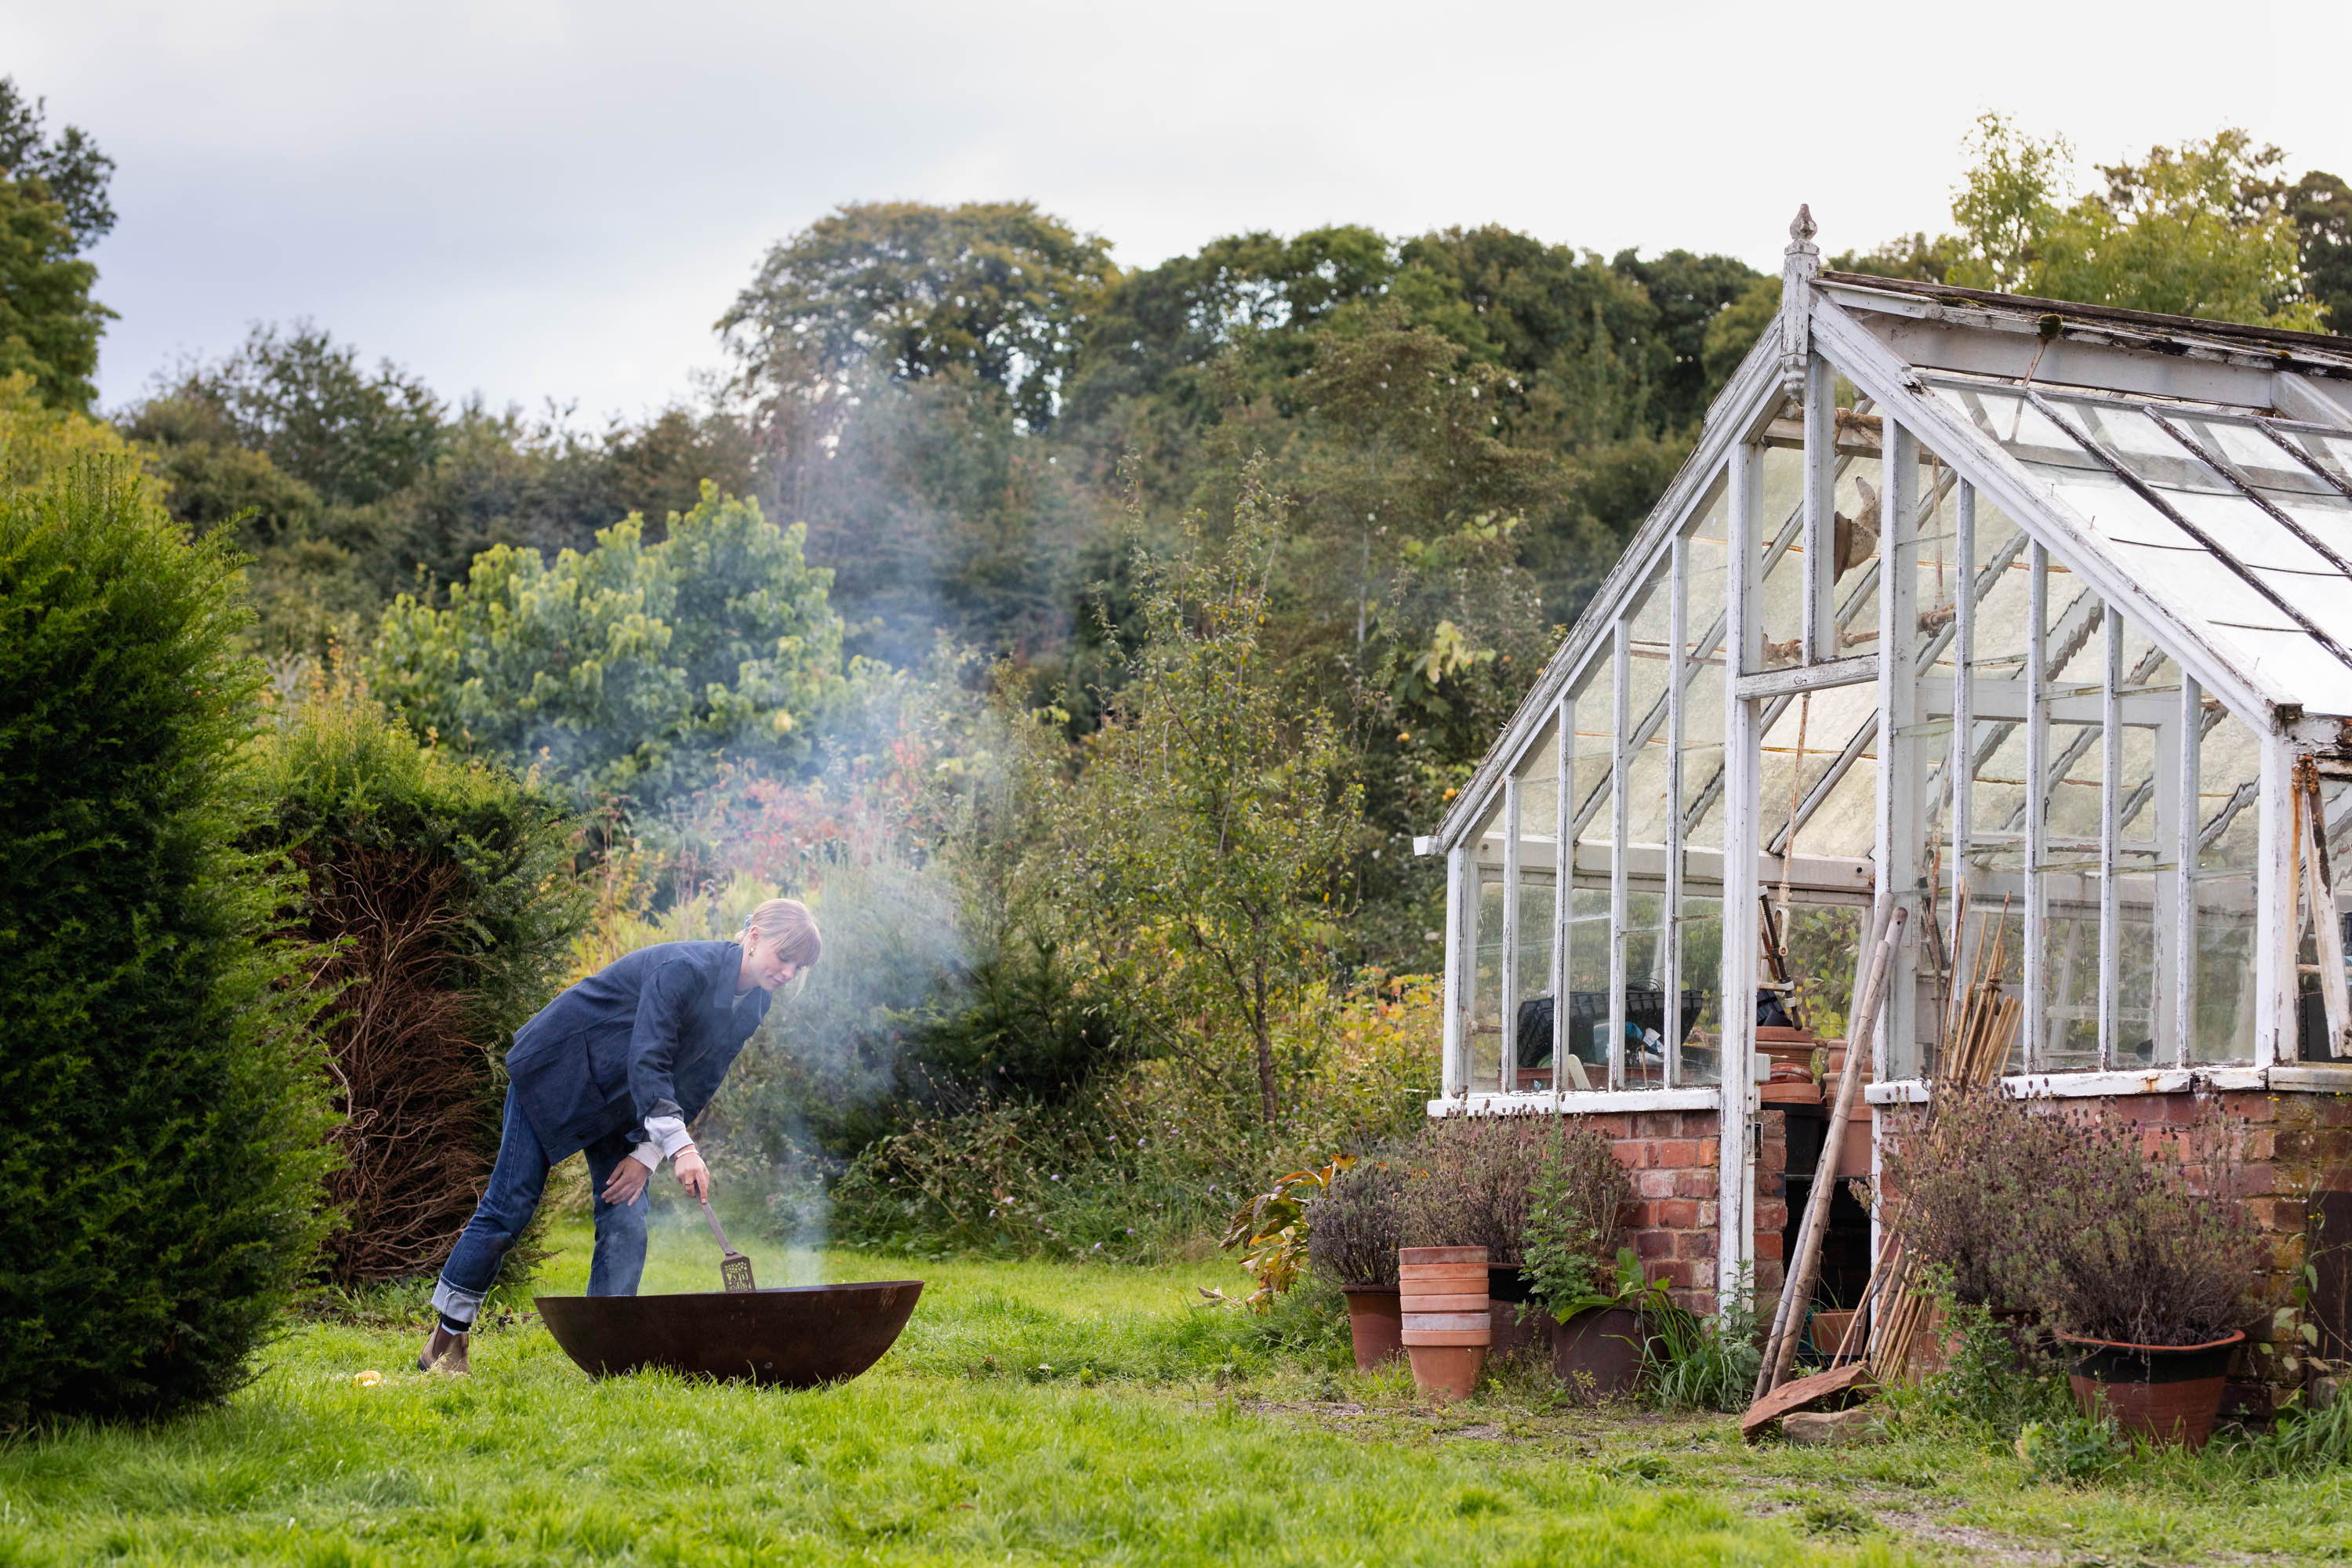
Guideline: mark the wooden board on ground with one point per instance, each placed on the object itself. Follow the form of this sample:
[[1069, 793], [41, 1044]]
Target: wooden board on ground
[[1804, 1393]]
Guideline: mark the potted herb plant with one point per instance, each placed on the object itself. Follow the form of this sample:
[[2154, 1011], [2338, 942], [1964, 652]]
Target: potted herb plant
[[1351, 1240], [1469, 1185], [2142, 1276], [2148, 1282], [1594, 1291]]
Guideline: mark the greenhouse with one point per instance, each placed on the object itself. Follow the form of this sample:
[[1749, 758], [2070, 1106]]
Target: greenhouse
[[2033, 619]]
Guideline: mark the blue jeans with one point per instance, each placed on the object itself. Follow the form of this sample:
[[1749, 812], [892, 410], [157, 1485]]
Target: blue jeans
[[512, 1198]]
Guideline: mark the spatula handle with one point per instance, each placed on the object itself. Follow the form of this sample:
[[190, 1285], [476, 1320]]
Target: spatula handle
[[716, 1228]]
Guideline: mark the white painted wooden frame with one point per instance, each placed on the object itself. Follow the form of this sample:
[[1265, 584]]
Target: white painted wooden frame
[[1735, 1246]]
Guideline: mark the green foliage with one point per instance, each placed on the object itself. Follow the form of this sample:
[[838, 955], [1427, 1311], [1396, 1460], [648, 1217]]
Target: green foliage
[[160, 1057], [69, 167], [49, 323], [996, 290], [1194, 858], [440, 891], [2321, 205], [2070, 1447], [628, 670], [1576, 1209], [304, 400], [1273, 1225], [1693, 1363], [2203, 229]]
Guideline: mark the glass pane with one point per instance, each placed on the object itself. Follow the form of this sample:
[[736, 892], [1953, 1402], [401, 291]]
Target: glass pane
[[2073, 808], [2331, 453], [1805, 741], [1589, 932], [1650, 630], [1780, 537], [1700, 929], [2003, 570], [1486, 1054], [1933, 561], [1821, 942], [1856, 525], [1644, 940], [1588, 986], [1531, 1014], [2315, 1041], [2222, 1011], [1538, 781]]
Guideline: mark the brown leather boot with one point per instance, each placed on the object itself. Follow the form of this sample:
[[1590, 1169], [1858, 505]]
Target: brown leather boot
[[444, 1352]]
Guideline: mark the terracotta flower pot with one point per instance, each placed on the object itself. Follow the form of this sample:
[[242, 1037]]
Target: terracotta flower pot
[[2166, 1393], [1374, 1321], [1600, 1351], [1829, 1331], [1447, 1372], [1444, 1317]]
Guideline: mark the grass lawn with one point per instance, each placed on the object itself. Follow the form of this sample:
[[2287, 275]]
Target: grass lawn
[[1044, 1413]]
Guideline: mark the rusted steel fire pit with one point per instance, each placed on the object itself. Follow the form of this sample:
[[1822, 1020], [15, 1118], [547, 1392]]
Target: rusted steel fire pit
[[797, 1336]]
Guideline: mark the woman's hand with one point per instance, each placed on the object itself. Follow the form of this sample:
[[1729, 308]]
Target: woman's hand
[[692, 1173], [628, 1179]]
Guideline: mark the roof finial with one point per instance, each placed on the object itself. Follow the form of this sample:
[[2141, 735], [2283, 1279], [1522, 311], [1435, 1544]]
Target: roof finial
[[1798, 267]]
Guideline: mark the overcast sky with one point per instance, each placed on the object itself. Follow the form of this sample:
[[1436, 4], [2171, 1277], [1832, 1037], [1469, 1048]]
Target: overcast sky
[[543, 199]]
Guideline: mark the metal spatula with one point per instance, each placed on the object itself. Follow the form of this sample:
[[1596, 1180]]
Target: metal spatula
[[734, 1269]]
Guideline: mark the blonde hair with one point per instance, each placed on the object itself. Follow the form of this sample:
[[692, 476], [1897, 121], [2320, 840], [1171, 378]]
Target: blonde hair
[[789, 926]]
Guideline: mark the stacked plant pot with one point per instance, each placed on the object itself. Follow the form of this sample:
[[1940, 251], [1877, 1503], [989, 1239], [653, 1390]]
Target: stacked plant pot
[[1447, 1322]]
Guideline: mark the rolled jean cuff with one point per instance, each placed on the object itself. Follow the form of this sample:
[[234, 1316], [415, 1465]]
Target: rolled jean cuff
[[457, 1305]]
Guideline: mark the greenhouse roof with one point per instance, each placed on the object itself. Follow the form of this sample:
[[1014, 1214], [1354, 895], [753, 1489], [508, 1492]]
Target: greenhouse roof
[[2197, 473]]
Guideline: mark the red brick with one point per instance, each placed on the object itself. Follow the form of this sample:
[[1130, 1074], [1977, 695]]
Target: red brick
[[1628, 1154], [1677, 1213], [1693, 1183], [1655, 1183], [1657, 1124], [1640, 1216], [1694, 1244], [1652, 1243], [1676, 1152], [1768, 1246]]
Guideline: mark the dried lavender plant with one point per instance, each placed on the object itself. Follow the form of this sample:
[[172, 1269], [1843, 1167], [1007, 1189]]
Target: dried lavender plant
[[1471, 1178], [2064, 1214], [1353, 1229]]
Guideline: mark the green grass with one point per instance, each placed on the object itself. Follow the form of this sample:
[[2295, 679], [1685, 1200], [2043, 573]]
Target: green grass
[[1037, 1412]]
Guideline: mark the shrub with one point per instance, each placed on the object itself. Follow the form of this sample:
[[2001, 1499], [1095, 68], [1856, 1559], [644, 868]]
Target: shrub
[[1964, 1176], [160, 1069], [1472, 1180], [626, 669], [1354, 1228], [1576, 1213], [2066, 1215], [440, 895]]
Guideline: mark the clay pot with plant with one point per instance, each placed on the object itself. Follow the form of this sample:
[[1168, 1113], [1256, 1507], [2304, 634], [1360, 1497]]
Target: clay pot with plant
[[2142, 1274], [1470, 1177], [1592, 1290], [1351, 1240]]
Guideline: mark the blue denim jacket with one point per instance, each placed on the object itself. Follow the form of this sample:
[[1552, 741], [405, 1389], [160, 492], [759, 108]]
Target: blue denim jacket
[[651, 1034]]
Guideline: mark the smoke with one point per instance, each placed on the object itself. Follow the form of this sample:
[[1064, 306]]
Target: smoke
[[879, 844]]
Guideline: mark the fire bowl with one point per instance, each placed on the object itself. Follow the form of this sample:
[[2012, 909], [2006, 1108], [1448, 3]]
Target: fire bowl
[[796, 1336]]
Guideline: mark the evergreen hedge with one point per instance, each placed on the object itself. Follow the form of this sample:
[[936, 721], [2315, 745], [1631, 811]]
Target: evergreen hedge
[[440, 894], [167, 1116]]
